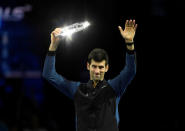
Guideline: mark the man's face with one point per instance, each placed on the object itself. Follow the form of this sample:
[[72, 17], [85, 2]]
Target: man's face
[[97, 70]]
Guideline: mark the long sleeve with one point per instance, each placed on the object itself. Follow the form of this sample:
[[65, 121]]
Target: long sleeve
[[120, 82], [49, 73]]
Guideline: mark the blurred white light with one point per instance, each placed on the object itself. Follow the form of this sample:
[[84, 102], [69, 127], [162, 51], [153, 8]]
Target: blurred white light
[[86, 24], [71, 29]]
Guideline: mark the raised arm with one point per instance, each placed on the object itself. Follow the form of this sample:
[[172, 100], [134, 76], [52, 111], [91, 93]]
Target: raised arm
[[120, 82], [49, 73]]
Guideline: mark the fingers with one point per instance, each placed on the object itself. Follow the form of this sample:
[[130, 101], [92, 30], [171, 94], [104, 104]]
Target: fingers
[[135, 27], [120, 29], [133, 23], [56, 32], [130, 23], [58, 29], [126, 23]]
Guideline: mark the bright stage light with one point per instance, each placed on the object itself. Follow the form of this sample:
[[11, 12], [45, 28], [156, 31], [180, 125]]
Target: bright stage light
[[67, 31]]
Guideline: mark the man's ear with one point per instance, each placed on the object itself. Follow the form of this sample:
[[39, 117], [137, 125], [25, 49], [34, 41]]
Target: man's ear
[[88, 66], [106, 67]]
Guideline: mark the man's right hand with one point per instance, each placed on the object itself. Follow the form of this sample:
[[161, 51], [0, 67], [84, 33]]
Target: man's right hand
[[55, 39]]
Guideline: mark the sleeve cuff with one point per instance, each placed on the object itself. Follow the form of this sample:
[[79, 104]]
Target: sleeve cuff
[[51, 53], [131, 52]]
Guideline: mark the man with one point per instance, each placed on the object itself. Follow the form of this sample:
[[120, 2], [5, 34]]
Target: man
[[96, 102]]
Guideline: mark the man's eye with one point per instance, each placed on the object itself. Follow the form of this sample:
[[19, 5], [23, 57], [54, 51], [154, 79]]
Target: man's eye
[[101, 67]]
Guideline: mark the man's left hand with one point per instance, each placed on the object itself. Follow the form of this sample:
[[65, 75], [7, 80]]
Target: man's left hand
[[129, 32]]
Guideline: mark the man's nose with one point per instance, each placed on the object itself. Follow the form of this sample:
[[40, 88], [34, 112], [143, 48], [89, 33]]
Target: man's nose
[[97, 70]]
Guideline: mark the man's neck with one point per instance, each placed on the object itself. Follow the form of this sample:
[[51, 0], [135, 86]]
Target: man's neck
[[95, 83]]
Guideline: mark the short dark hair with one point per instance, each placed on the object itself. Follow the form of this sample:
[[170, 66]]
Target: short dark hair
[[98, 55]]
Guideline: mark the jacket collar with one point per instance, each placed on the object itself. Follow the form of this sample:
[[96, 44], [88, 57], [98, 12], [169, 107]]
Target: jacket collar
[[99, 84]]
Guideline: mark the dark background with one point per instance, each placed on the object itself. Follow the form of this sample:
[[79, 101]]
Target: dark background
[[154, 99]]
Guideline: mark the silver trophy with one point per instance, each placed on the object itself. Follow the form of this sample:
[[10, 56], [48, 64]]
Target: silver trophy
[[76, 27]]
